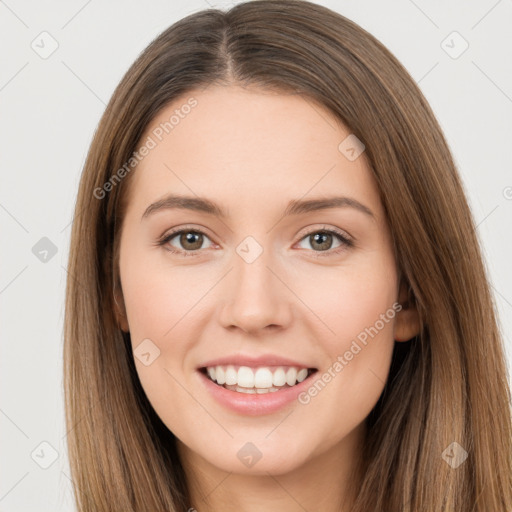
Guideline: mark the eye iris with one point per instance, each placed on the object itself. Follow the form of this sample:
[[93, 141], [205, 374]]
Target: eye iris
[[318, 237], [192, 237]]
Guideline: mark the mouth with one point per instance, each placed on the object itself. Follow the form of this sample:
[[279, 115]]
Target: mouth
[[258, 380]]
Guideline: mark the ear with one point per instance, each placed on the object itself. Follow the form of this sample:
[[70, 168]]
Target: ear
[[120, 310], [407, 321]]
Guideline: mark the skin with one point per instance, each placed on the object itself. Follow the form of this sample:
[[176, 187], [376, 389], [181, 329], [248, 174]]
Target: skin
[[252, 151]]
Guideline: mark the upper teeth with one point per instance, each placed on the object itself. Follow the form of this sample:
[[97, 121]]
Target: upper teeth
[[260, 377]]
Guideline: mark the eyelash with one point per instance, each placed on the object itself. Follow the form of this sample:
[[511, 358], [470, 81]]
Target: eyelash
[[345, 241]]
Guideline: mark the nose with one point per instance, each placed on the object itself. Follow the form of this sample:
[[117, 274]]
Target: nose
[[256, 295]]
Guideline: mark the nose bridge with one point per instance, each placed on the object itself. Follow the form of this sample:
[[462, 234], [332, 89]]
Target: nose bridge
[[255, 298]]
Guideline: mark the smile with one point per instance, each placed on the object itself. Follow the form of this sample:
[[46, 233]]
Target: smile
[[258, 380]]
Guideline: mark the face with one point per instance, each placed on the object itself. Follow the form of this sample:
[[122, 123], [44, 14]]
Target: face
[[270, 282]]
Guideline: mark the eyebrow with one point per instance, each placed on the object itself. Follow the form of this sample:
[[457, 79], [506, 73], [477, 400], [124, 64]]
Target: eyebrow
[[294, 207]]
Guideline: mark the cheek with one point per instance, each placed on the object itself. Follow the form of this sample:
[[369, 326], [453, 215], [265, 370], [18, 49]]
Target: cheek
[[164, 304], [357, 307], [160, 308], [158, 296], [348, 299]]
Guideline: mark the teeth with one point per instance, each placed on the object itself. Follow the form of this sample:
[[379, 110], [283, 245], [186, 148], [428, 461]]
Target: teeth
[[279, 377], [259, 380], [220, 376], [231, 375], [245, 377], [302, 374], [252, 391], [262, 378], [291, 376]]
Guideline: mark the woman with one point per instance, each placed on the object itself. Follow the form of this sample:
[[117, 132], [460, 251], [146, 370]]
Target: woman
[[328, 340]]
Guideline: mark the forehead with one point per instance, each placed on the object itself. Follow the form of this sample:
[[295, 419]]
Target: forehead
[[248, 148]]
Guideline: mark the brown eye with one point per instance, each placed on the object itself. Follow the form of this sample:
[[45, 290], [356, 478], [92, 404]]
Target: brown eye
[[321, 240], [191, 240], [187, 242]]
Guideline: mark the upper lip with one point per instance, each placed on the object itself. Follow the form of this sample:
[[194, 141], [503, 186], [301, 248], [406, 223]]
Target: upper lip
[[254, 361]]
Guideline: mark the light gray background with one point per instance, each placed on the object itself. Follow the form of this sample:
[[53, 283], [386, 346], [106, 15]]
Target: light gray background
[[50, 108]]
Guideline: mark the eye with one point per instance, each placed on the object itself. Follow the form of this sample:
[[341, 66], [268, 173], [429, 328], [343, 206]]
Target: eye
[[323, 240], [191, 241]]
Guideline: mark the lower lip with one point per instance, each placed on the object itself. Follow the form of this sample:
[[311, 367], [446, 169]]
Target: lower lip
[[254, 404]]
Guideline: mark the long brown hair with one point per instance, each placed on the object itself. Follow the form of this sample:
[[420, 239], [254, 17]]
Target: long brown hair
[[447, 385]]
